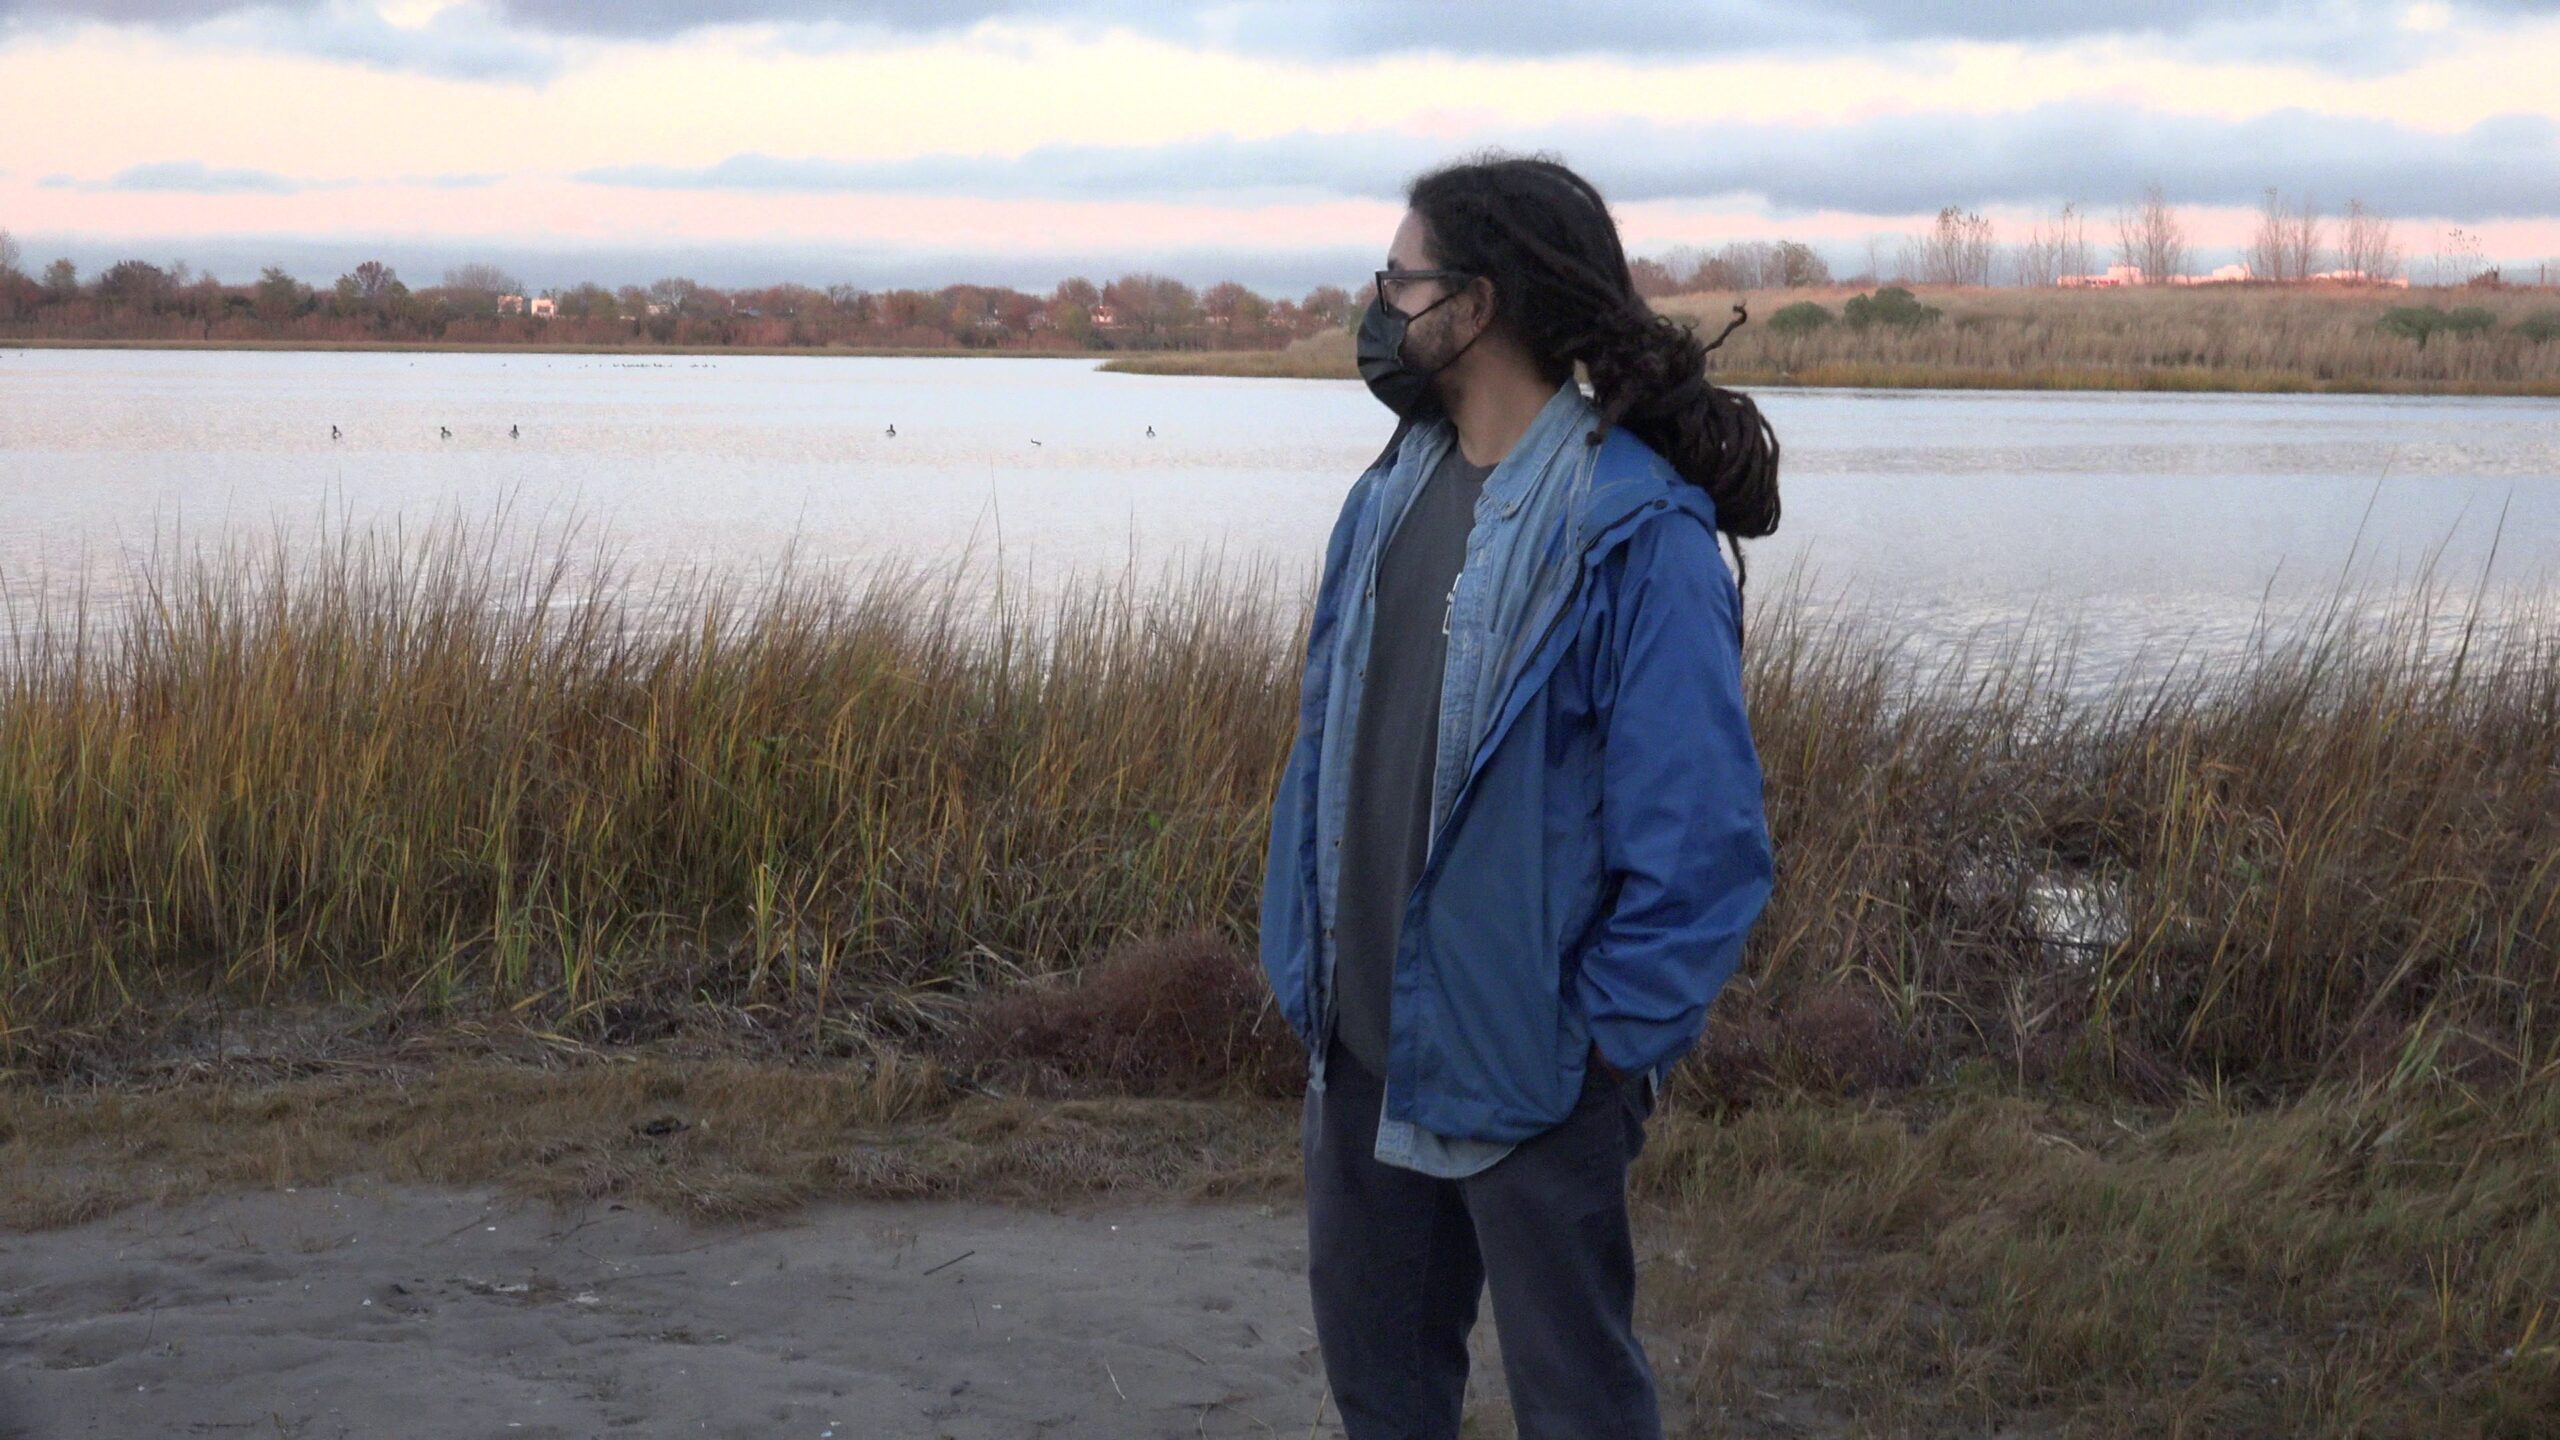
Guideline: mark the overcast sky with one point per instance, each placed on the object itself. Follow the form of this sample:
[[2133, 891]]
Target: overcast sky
[[924, 141]]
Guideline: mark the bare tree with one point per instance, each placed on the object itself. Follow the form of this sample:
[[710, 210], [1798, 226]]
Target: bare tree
[[1957, 250], [2459, 258], [10, 254], [2287, 244], [2054, 249], [2365, 246], [2151, 237], [2303, 250], [1875, 259], [2072, 229], [2267, 244]]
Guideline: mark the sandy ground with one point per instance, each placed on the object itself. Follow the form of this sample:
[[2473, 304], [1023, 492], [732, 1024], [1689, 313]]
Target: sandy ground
[[372, 1311]]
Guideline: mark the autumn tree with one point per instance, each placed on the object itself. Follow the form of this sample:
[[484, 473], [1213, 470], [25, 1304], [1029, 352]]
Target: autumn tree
[[480, 279], [1797, 265], [62, 280], [1328, 305], [1156, 308], [278, 296], [1234, 310], [1652, 279], [371, 281], [134, 284]]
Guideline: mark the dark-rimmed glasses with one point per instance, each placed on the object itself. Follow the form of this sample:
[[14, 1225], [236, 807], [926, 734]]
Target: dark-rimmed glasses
[[1401, 279]]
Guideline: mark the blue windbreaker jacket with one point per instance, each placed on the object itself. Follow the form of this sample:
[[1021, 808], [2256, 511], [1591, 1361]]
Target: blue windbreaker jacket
[[1606, 852]]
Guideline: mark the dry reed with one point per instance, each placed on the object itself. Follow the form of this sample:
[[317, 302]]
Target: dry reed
[[421, 776]]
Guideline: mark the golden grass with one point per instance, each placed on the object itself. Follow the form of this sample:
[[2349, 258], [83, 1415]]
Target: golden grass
[[2164, 338], [416, 775], [1323, 356], [2253, 338]]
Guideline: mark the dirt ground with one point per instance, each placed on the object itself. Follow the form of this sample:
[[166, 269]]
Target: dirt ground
[[377, 1310]]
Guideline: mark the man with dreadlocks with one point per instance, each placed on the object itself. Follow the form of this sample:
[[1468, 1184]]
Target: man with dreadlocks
[[1519, 839]]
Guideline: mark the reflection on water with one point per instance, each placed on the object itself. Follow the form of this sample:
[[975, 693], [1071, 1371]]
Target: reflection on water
[[2154, 523]]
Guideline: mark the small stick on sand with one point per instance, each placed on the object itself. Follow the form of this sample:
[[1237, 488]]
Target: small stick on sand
[[954, 1260]]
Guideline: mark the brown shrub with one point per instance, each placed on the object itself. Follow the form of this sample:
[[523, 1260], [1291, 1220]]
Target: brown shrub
[[1835, 1038], [1176, 1015]]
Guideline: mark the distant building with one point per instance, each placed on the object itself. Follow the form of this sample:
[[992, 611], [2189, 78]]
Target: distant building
[[1105, 318], [2359, 277], [2221, 275], [544, 308], [510, 304], [2115, 275]]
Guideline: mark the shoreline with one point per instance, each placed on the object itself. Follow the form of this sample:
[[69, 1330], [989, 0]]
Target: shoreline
[[1292, 365], [1246, 364]]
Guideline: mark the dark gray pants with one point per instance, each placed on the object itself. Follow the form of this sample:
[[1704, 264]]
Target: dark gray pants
[[1397, 1258]]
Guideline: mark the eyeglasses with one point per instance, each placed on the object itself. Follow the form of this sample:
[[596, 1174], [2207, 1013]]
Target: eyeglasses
[[1394, 285]]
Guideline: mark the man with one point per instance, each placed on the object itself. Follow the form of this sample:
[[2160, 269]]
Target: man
[[1519, 840]]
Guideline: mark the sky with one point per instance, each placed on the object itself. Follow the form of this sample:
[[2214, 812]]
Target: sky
[[892, 142]]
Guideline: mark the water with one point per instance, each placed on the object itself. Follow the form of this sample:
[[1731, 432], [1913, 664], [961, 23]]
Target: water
[[2160, 518]]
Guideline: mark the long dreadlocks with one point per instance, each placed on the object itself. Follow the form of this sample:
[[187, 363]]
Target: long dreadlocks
[[1543, 236]]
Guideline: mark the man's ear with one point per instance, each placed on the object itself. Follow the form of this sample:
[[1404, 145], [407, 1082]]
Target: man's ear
[[1481, 302]]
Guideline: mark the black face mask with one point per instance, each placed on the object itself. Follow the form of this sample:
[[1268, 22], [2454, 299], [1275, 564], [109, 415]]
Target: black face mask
[[1380, 349]]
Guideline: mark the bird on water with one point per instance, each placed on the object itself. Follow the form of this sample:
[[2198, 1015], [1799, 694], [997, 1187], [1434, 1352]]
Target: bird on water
[[514, 433], [893, 431], [333, 433], [444, 431]]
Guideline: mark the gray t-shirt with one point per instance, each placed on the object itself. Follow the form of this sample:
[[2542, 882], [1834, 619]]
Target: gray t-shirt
[[1393, 748]]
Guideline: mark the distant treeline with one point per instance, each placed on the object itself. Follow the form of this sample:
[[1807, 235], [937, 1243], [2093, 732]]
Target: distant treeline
[[480, 304]]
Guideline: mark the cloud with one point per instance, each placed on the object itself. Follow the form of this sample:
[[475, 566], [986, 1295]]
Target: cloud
[[506, 39], [467, 41], [192, 177], [2508, 166], [1517, 28]]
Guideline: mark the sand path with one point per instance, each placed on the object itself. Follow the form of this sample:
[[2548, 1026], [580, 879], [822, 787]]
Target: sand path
[[373, 1311]]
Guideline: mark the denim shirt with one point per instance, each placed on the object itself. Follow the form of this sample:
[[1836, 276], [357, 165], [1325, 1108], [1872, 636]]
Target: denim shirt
[[1516, 571]]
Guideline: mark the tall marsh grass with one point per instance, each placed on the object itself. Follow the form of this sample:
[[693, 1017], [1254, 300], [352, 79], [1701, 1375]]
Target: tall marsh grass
[[421, 774], [2245, 338], [2173, 338]]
